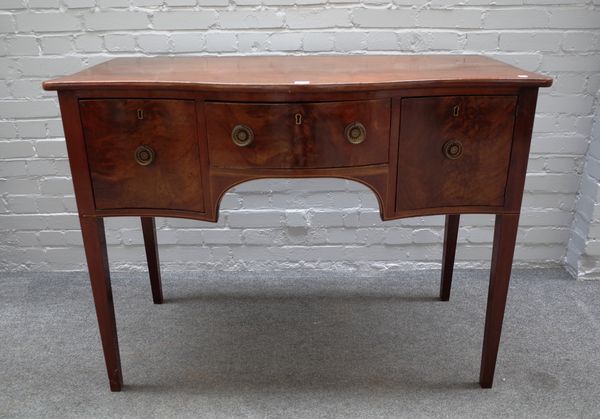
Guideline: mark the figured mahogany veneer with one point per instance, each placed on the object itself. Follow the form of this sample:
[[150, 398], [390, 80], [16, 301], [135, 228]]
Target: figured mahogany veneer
[[483, 127], [169, 136], [298, 135], [115, 128]]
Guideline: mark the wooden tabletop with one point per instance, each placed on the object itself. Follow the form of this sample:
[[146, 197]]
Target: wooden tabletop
[[355, 72]]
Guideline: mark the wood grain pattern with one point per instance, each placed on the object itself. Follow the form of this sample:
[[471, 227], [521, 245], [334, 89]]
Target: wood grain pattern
[[78, 162], [521, 143], [429, 179], [410, 105], [299, 73], [113, 131], [318, 141]]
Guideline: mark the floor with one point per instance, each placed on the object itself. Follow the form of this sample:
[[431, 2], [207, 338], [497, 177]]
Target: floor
[[299, 345]]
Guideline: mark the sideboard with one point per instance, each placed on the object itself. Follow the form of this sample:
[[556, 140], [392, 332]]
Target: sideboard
[[428, 134]]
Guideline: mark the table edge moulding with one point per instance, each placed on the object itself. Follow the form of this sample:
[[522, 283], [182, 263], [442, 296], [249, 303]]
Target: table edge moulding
[[428, 134]]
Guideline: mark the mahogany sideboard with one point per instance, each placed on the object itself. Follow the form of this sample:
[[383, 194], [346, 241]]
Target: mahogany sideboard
[[168, 136]]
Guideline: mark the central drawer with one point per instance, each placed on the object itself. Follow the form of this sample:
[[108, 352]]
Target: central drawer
[[298, 135]]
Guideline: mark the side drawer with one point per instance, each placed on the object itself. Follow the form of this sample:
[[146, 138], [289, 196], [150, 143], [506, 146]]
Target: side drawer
[[143, 153], [454, 151], [298, 135]]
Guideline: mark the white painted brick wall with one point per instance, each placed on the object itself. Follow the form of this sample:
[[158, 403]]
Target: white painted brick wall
[[325, 223], [583, 251]]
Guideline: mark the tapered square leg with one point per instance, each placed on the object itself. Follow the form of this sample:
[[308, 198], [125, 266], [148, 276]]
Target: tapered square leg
[[94, 241], [150, 243], [505, 236], [450, 237]]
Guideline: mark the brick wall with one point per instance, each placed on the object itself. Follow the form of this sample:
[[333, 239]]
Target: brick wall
[[330, 224], [583, 251]]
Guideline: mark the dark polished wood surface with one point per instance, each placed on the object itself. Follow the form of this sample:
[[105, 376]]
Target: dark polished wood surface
[[428, 135], [299, 72], [113, 131], [151, 246], [450, 239], [481, 125], [298, 135]]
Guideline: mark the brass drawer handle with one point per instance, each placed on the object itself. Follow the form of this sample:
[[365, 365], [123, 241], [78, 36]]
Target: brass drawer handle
[[144, 155], [452, 149], [242, 135], [355, 133]]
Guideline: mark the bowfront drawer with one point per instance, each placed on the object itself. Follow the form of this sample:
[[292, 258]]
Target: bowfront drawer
[[143, 153], [298, 135], [454, 151]]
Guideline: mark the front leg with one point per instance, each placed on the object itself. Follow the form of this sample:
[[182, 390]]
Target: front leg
[[505, 236], [94, 241]]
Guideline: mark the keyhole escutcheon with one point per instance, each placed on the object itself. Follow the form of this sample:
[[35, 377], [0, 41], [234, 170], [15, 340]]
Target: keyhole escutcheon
[[140, 114], [298, 118], [455, 110]]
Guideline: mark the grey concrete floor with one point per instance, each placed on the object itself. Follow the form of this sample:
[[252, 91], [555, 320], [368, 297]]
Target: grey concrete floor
[[300, 345]]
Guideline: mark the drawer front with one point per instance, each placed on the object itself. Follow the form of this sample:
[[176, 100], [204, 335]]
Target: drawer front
[[454, 151], [143, 153], [298, 135]]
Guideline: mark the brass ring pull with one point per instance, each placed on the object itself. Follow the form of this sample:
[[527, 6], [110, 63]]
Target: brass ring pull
[[452, 149], [144, 155], [355, 133], [242, 135]]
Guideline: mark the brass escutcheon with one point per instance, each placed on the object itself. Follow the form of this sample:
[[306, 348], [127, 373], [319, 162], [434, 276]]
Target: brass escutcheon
[[298, 118]]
